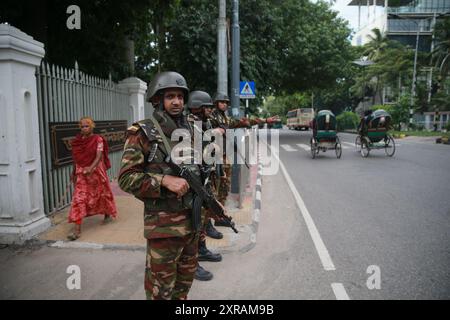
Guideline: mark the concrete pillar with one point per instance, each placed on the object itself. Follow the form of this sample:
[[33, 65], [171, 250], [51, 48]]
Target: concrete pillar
[[22, 213], [136, 89]]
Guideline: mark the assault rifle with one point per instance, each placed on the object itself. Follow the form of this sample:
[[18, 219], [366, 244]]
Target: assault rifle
[[203, 196]]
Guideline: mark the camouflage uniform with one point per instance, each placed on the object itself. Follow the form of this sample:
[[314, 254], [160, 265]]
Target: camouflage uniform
[[220, 120], [171, 243]]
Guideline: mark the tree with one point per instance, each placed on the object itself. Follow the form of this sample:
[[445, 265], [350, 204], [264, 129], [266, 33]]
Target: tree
[[441, 53]]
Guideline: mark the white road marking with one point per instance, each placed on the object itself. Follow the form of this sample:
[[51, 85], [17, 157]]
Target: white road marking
[[287, 147], [304, 147], [339, 291], [318, 243], [348, 143]]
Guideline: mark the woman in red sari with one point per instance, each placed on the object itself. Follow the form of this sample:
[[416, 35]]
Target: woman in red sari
[[93, 193]]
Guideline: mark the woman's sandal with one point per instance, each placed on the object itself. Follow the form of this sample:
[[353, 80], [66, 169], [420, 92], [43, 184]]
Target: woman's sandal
[[107, 220], [73, 236]]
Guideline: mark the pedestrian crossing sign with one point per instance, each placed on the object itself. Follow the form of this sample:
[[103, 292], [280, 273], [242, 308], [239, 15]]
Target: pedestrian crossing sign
[[247, 90]]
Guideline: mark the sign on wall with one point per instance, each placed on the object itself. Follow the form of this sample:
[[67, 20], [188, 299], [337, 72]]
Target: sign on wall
[[62, 134]]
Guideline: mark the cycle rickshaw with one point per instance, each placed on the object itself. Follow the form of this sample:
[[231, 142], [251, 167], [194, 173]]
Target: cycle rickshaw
[[373, 134], [324, 134]]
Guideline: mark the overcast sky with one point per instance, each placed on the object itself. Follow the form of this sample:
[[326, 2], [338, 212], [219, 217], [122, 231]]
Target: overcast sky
[[349, 13]]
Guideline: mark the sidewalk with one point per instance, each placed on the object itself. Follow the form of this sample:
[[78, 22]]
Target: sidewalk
[[126, 232]]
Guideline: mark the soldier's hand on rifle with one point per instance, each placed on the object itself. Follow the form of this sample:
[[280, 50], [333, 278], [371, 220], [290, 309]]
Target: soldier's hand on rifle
[[175, 184]]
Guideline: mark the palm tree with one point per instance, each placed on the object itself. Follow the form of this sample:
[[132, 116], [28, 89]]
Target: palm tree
[[441, 52], [377, 44]]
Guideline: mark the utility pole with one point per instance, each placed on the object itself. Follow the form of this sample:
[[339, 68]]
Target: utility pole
[[235, 60], [235, 78], [222, 63]]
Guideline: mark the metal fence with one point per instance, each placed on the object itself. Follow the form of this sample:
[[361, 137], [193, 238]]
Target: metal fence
[[65, 95]]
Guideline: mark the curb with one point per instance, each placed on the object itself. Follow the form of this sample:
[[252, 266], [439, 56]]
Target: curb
[[256, 209], [60, 244]]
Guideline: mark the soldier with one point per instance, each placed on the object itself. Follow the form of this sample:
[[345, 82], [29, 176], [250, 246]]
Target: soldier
[[199, 104], [220, 119], [172, 244]]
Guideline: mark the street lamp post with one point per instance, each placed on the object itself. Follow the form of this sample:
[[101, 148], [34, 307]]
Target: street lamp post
[[413, 86], [363, 62]]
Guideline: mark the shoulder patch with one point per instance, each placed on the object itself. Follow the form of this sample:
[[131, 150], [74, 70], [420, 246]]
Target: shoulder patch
[[133, 129], [149, 130]]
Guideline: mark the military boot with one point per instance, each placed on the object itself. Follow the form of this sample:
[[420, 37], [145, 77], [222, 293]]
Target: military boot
[[213, 232], [205, 255], [202, 274]]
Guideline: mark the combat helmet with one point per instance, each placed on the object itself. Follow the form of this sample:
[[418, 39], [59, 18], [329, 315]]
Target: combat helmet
[[164, 80], [220, 96], [199, 99]]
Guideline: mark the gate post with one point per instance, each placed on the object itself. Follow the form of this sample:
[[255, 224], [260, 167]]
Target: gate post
[[136, 90], [21, 199]]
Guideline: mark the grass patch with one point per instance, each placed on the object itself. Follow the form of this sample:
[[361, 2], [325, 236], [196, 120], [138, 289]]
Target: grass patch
[[421, 133]]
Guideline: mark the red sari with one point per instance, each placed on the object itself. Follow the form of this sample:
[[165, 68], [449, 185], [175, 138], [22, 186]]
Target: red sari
[[93, 193]]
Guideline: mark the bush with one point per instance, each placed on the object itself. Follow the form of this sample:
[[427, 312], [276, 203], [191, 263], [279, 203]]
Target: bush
[[447, 127], [347, 121]]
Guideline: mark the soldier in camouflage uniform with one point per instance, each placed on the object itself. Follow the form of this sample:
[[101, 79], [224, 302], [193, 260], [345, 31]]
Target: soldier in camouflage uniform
[[172, 245], [199, 106], [219, 119]]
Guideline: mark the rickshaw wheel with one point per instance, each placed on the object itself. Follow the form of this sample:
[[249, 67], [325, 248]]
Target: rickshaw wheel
[[389, 141], [358, 143], [365, 150], [313, 148], [338, 149]]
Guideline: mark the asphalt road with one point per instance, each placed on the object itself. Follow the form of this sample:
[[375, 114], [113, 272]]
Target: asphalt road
[[390, 215], [323, 223]]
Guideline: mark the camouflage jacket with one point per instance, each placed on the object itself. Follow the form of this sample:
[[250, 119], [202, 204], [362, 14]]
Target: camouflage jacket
[[141, 173], [220, 119]]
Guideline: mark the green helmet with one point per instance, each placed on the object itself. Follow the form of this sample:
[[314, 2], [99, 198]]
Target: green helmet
[[165, 80], [220, 96], [199, 99]]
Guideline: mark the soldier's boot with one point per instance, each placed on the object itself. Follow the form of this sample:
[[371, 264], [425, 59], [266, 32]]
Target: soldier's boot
[[205, 255], [213, 232], [202, 274]]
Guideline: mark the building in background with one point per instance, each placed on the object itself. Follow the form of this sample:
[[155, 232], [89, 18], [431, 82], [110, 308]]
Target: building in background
[[399, 20]]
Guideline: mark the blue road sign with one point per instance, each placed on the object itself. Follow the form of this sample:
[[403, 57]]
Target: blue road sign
[[247, 90]]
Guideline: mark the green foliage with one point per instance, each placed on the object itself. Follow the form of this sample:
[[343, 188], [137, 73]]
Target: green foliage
[[347, 121], [282, 104], [441, 52], [399, 111], [447, 127]]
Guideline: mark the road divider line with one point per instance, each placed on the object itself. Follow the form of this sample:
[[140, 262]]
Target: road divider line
[[349, 144], [287, 147], [324, 256], [304, 147], [339, 291]]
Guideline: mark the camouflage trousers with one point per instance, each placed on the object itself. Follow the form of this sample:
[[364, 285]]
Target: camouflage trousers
[[170, 267], [225, 184]]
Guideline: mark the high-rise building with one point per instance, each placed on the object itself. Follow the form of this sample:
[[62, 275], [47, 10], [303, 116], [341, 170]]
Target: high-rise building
[[399, 20]]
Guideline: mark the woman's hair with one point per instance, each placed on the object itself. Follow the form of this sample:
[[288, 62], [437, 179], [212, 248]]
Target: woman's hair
[[89, 119]]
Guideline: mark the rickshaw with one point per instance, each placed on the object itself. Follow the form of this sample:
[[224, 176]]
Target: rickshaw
[[324, 134], [373, 134]]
